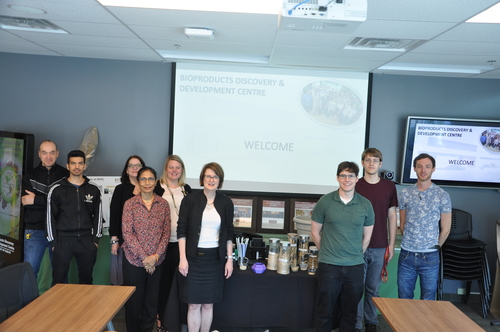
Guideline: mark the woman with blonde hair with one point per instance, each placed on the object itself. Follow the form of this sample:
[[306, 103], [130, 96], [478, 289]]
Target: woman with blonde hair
[[172, 187]]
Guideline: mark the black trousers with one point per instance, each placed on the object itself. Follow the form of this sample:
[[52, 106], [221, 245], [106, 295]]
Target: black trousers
[[340, 289], [141, 307], [171, 266], [82, 248]]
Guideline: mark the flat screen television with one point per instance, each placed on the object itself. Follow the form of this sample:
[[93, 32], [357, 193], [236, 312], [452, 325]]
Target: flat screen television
[[467, 151]]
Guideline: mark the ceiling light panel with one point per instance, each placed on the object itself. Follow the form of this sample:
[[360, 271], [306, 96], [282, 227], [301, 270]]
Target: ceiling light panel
[[435, 68], [29, 24], [491, 15]]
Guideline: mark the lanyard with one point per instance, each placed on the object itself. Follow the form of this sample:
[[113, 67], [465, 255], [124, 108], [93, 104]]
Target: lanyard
[[173, 199]]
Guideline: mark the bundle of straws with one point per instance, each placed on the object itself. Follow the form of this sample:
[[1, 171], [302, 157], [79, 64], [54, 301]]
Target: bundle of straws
[[241, 246]]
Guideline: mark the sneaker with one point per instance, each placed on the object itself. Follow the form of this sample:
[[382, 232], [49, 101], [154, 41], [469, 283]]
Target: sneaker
[[371, 327]]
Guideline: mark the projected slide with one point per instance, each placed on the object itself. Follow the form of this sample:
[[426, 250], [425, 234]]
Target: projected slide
[[462, 152], [271, 130]]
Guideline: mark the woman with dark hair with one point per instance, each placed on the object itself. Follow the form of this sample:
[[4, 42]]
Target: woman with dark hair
[[146, 232], [205, 233], [172, 187], [128, 188]]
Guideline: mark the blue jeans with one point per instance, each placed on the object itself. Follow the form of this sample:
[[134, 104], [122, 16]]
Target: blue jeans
[[374, 262], [338, 282], [422, 264], [34, 248]]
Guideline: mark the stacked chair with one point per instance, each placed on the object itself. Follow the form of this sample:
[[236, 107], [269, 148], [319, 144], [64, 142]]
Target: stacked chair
[[495, 302], [464, 258]]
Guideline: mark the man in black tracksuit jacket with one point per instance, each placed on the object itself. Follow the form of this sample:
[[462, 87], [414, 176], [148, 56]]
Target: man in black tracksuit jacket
[[74, 222], [36, 185]]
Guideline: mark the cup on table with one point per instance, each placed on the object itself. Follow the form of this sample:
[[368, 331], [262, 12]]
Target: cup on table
[[243, 262]]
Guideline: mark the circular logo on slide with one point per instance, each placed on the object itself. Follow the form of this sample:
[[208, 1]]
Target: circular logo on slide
[[8, 184], [331, 103], [490, 139]]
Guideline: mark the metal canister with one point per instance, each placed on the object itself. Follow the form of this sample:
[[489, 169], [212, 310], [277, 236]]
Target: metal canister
[[294, 263], [284, 258], [273, 253], [312, 262], [303, 247]]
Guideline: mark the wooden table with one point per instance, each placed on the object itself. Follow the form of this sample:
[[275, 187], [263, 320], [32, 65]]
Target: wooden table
[[421, 315], [69, 307]]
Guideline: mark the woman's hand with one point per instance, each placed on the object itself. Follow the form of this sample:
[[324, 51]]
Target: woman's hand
[[228, 269], [149, 262], [183, 267], [150, 270], [114, 248]]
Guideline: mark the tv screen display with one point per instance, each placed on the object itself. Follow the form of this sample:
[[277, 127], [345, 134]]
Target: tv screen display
[[272, 130], [467, 151]]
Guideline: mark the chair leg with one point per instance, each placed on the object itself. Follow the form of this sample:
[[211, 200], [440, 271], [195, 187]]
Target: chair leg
[[467, 292]]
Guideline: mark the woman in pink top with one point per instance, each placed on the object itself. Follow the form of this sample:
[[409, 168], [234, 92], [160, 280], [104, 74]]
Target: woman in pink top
[[146, 232]]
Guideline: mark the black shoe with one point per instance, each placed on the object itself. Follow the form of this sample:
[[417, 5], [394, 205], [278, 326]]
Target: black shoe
[[358, 330], [371, 327]]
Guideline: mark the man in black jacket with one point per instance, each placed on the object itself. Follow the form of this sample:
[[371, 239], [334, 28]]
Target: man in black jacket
[[74, 222], [36, 185]]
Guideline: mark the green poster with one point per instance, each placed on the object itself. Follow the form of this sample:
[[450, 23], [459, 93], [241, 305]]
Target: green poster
[[11, 161]]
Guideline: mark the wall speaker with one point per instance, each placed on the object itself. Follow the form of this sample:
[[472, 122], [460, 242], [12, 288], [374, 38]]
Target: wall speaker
[[389, 175]]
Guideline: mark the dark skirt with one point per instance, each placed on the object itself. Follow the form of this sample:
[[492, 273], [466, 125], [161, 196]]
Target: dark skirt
[[205, 280]]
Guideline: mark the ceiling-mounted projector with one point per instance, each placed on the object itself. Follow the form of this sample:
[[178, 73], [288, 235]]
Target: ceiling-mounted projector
[[329, 16], [199, 33]]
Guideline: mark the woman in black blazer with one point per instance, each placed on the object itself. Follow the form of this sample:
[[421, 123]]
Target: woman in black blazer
[[205, 233]]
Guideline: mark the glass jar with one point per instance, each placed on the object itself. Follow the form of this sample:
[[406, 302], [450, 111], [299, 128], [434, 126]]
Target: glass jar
[[272, 256], [312, 262], [303, 246], [294, 264], [284, 258]]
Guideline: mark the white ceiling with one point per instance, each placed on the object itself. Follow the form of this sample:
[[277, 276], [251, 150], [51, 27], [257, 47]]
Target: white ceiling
[[121, 33]]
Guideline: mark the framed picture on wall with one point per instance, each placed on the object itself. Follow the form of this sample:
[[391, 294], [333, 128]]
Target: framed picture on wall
[[300, 207], [244, 213], [273, 215]]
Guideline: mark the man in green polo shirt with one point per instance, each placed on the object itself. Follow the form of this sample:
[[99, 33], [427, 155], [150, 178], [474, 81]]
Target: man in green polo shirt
[[341, 227]]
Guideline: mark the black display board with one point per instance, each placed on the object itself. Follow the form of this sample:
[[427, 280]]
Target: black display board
[[16, 157]]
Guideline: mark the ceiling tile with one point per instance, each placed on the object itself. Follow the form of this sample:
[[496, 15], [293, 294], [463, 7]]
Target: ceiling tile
[[402, 29], [456, 47], [427, 10], [479, 32], [182, 18], [134, 34]]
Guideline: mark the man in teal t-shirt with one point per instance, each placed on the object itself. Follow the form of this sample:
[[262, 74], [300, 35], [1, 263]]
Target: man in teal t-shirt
[[341, 227]]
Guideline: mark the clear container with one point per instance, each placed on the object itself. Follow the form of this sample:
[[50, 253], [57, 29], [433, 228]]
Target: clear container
[[312, 262], [284, 258], [303, 246], [273, 253], [294, 263]]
